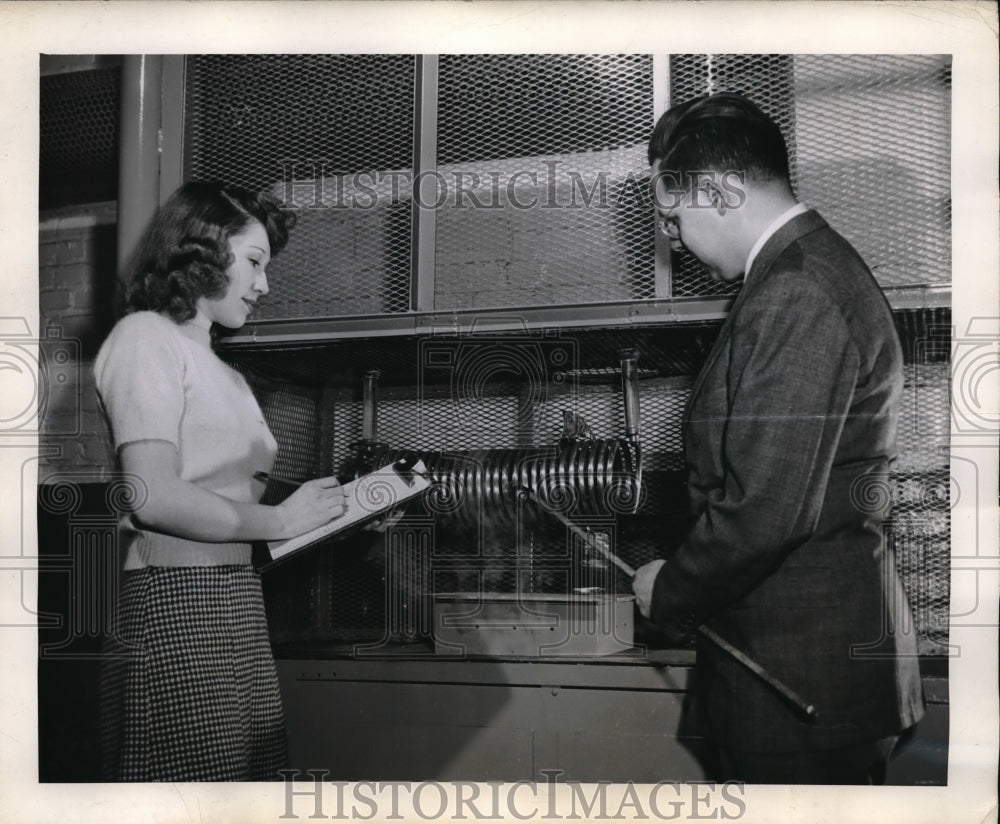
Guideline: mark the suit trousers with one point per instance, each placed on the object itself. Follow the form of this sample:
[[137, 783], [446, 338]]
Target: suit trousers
[[865, 763]]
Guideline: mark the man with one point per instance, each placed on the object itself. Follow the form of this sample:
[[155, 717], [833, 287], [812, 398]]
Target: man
[[789, 430]]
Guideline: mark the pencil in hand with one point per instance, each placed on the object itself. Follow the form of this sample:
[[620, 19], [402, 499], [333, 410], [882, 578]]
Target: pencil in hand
[[267, 477]]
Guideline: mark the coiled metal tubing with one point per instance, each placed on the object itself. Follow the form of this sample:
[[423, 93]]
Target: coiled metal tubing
[[580, 477]]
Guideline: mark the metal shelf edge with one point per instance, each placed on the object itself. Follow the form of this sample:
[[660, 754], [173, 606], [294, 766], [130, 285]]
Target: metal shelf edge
[[528, 318]]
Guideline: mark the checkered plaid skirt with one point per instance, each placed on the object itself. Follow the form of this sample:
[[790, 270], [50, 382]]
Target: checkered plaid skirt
[[189, 687]]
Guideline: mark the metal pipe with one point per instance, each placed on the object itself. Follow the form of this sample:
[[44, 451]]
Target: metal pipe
[[633, 417], [171, 139], [424, 215], [139, 152], [369, 421]]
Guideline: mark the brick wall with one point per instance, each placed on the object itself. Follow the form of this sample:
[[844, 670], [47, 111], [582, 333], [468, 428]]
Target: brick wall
[[77, 254]]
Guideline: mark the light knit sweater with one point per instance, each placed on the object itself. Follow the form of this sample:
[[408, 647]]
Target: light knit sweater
[[156, 383]]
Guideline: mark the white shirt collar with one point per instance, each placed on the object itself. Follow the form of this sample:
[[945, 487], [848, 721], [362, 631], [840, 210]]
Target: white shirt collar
[[777, 223]]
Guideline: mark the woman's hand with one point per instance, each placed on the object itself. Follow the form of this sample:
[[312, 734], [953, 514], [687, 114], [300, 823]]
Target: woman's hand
[[311, 505]]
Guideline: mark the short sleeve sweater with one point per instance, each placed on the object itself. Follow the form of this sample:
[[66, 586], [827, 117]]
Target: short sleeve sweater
[[156, 383]]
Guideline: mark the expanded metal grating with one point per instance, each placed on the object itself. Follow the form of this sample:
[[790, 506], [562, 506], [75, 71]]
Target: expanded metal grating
[[869, 147], [544, 160], [79, 117], [541, 184], [767, 79], [449, 423], [332, 136], [874, 148], [292, 413], [919, 534]]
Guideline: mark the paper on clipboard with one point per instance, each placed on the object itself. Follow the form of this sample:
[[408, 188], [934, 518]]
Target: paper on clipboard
[[367, 497]]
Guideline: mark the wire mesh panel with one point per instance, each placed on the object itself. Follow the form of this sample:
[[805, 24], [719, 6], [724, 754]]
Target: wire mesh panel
[[292, 414], [918, 532], [78, 137], [542, 164], [767, 79], [873, 140], [541, 183], [919, 529], [332, 136], [869, 147], [430, 423], [440, 422], [601, 410]]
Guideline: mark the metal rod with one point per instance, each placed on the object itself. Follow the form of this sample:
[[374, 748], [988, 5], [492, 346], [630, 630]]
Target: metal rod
[[591, 539], [792, 697], [369, 423], [808, 710]]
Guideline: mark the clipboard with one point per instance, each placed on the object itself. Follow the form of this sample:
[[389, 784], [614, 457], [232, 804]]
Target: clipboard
[[368, 497]]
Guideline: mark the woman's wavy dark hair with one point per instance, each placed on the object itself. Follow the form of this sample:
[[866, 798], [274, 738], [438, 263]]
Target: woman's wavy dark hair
[[185, 253]]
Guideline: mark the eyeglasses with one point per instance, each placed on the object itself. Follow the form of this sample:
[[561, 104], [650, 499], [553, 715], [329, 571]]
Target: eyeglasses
[[669, 227]]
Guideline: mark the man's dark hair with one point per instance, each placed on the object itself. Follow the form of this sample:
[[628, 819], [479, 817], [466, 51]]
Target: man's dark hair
[[185, 254], [720, 132]]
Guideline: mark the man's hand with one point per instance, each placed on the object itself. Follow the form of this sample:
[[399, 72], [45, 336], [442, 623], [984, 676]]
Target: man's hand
[[642, 585]]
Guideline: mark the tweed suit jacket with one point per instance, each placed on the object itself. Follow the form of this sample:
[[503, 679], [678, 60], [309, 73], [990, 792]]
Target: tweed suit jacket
[[789, 432]]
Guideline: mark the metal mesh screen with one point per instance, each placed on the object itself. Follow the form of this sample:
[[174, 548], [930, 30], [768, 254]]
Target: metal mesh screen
[[293, 595], [869, 147], [873, 139], [540, 168], [545, 159], [332, 135], [79, 115], [484, 393], [292, 413], [919, 530], [768, 80]]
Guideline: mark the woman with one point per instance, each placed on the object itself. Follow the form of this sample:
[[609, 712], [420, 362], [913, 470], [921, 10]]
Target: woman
[[190, 690]]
